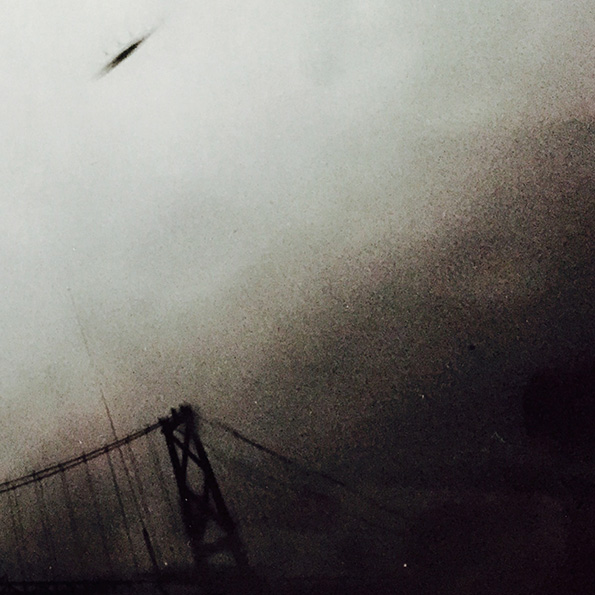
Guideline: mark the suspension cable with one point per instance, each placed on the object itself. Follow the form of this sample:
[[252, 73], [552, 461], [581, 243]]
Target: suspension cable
[[298, 465], [13, 484], [249, 472]]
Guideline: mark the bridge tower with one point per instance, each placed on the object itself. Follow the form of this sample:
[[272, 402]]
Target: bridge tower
[[210, 529]]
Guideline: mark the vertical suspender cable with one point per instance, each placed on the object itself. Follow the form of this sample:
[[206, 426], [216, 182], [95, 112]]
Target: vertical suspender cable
[[17, 510], [141, 491], [145, 532], [102, 532], [39, 495], [123, 512], [18, 536], [71, 518], [139, 514], [51, 543], [161, 477]]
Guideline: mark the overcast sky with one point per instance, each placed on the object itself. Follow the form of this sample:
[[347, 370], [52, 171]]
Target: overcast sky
[[352, 230], [318, 221]]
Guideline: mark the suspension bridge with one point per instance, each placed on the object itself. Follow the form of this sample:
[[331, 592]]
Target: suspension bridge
[[141, 514], [145, 514]]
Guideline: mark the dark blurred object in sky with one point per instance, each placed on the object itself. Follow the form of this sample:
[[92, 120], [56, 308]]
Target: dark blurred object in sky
[[123, 55]]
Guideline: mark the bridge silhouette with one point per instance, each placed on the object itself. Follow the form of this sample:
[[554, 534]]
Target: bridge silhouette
[[144, 514], [141, 514]]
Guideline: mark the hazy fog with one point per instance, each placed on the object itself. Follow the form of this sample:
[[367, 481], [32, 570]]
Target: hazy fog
[[323, 222]]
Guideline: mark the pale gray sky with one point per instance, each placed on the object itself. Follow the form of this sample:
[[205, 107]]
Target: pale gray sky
[[220, 197], [350, 229]]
